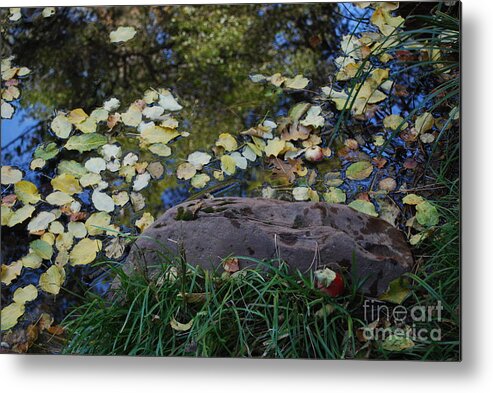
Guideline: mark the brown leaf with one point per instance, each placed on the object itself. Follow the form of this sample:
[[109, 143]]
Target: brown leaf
[[231, 265], [9, 200], [410, 163], [379, 162], [295, 132]]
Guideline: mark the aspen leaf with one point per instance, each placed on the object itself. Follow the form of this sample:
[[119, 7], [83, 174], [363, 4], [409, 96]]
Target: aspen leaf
[[240, 161], [185, 171], [102, 202], [25, 294], [27, 192], [359, 170], [77, 116], [10, 175], [424, 122], [157, 134], [95, 164], [121, 198], [335, 195], [160, 149], [141, 181], [168, 102], [364, 207], [10, 272], [198, 159], [71, 167], [85, 251], [412, 199], [394, 121], [122, 34], [59, 198], [52, 280], [274, 147], [227, 141], [200, 180], [20, 215], [427, 214], [298, 82], [97, 221], [40, 222], [6, 110], [228, 164], [66, 183], [42, 249], [10, 315], [85, 142], [77, 229], [144, 222]]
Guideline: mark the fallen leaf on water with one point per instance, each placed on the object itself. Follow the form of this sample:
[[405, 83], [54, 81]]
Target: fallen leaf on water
[[102, 202], [227, 141], [25, 294], [394, 121], [424, 122], [85, 142], [10, 175], [274, 147], [97, 221], [20, 215], [412, 199], [298, 82], [40, 222], [10, 272], [144, 222], [200, 180], [334, 195], [42, 249], [52, 280], [228, 164], [27, 192], [359, 170], [122, 34], [85, 251], [67, 184]]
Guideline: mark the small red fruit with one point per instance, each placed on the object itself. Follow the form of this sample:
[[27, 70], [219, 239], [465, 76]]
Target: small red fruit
[[329, 282]]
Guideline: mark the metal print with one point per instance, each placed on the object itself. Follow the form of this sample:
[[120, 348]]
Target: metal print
[[244, 180]]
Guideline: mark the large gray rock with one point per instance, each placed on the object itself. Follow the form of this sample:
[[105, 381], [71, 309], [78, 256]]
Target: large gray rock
[[307, 235]]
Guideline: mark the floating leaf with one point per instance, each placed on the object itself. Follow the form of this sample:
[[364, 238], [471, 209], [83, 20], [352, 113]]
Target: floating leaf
[[59, 198], [85, 142], [144, 222], [387, 184], [111, 104], [10, 315], [20, 215], [61, 126], [168, 102], [228, 164], [274, 147], [95, 164], [364, 207], [10, 272], [77, 229], [10, 175], [52, 280], [25, 294], [121, 198], [160, 149], [424, 122], [227, 141], [77, 116], [157, 134], [298, 82], [97, 221], [15, 15], [185, 171], [313, 117], [27, 192], [48, 11], [41, 222], [71, 167], [198, 159], [394, 121], [102, 202], [31, 261], [122, 34], [6, 110], [37, 163], [200, 180], [66, 183], [85, 251], [42, 249], [359, 170], [301, 193]]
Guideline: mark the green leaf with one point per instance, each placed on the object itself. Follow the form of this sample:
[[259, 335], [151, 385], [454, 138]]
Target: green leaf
[[359, 170], [335, 195], [397, 291], [47, 151], [85, 142], [71, 167], [396, 343], [427, 214], [42, 249], [364, 207]]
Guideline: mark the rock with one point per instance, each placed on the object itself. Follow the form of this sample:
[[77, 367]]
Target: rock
[[307, 235]]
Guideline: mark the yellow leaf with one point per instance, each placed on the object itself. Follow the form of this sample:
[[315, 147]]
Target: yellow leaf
[[157, 134], [77, 116], [274, 147], [25, 294], [424, 122], [6, 214], [11, 272], [228, 164], [40, 222], [298, 82], [52, 279], [27, 192], [200, 180], [10, 315], [31, 261], [59, 198], [181, 327], [97, 221], [20, 215], [10, 175], [185, 171], [66, 183], [85, 251], [122, 34], [144, 222], [133, 116], [394, 121], [227, 141]]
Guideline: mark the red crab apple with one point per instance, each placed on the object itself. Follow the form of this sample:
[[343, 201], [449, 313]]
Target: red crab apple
[[329, 282], [314, 154]]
